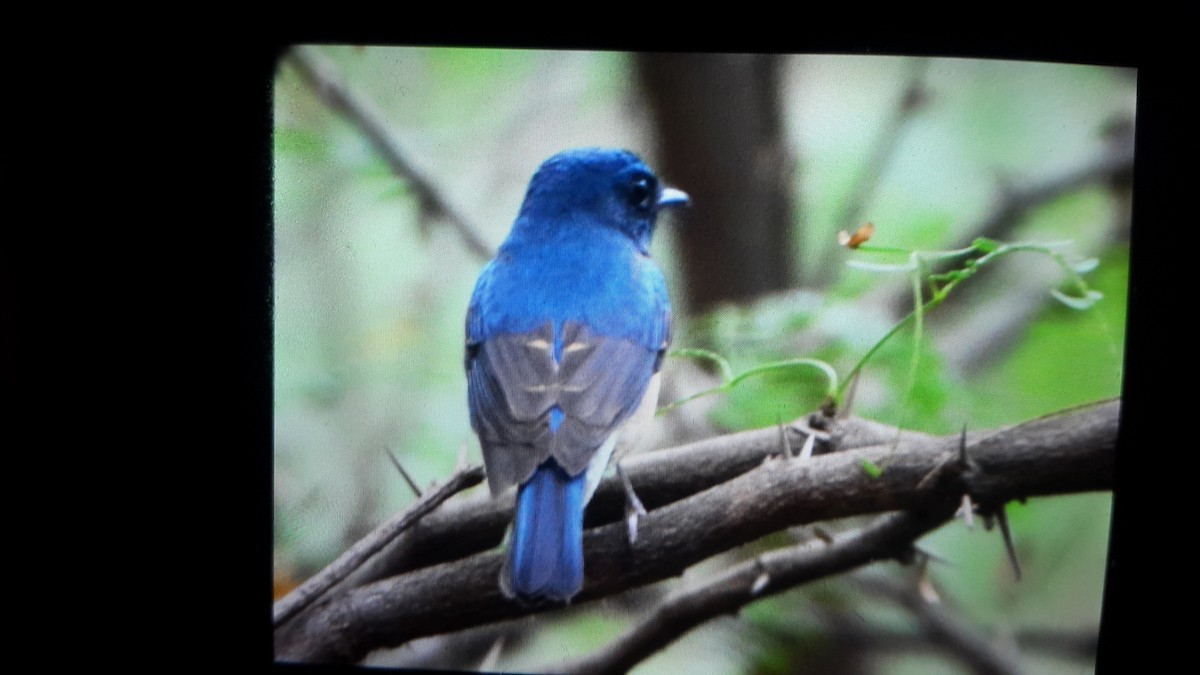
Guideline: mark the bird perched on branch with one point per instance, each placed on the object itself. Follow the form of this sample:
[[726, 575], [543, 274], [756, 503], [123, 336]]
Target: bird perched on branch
[[566, 333]]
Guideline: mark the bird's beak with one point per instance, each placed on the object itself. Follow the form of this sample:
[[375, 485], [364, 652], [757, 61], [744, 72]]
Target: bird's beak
[[672, 197]]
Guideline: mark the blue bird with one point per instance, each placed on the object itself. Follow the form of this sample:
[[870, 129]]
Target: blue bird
[[566, 334]]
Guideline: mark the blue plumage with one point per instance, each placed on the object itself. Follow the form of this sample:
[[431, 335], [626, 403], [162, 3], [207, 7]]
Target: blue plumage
[[546, 553], [566, 332]]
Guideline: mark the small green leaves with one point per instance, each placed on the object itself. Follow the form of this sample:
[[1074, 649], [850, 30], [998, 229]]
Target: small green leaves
[[952, 275], [871, 468], [985, 245], [964, 263]]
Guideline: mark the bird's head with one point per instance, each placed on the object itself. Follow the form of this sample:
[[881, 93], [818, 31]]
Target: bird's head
[[598, 186]]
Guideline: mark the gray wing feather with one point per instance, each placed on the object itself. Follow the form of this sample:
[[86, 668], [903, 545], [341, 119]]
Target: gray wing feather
[[514, 382]]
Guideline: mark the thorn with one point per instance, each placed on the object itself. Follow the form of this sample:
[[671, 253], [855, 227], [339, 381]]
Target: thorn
[[925, 587], [1008, 541], [807, 428], [784, 441], [895, 444], [461, 462], [928, 557], [848, 399], [811, 436], [822, 534], [963, 460], [407, 478], [760, 583], [907, 555], [633, 506], [488, 664], [926, 590], [966, 511], [807, 450], [631, 525]]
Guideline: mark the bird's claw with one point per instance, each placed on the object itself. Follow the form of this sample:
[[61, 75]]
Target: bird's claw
[[634, 510]]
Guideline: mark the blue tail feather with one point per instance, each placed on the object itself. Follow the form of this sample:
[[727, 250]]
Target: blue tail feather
[[546, 552]]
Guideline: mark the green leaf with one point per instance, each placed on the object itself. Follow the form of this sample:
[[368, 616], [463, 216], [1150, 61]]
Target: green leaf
[[871, 468], [985, 245], [952, 275], [1086, 265]]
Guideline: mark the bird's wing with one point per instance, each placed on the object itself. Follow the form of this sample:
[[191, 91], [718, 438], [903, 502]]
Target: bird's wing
[[515, 386]]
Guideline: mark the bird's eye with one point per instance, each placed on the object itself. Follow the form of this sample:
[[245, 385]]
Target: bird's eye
[[641, 193]]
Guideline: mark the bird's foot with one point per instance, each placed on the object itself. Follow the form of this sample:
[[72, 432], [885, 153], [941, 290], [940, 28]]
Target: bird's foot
[[634, 509]]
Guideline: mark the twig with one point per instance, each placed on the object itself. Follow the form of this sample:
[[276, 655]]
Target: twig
[[948, 630], [488, 664], [884, 147], [328, 85], [968, 341], [1013, 206], [304, 595], [1077, 644], [407, 478], [1019, 201], [473, 525], [865, 183], [767, 575], [1009, 546]]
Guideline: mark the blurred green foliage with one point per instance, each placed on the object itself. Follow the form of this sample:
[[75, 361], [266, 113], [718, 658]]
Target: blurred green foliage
[[369, 297]]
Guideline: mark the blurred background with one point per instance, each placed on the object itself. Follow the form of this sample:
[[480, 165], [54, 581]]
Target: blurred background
[[372, 274]]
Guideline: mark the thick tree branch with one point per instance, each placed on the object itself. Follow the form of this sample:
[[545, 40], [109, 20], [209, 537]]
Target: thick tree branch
[[1069, 452], [473, 525]]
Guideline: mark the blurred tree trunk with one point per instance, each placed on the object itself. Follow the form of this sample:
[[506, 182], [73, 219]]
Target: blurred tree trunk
[[719, 125]]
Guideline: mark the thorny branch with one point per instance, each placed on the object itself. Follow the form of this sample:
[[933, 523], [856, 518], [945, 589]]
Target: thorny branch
[[939, 624], [352, 559], [771, 573], [698, 509]]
